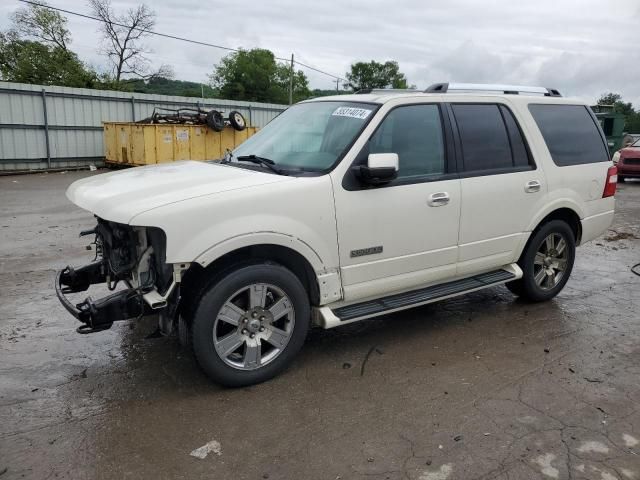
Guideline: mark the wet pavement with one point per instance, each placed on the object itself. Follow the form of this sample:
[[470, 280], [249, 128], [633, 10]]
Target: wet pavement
[[478, 387]]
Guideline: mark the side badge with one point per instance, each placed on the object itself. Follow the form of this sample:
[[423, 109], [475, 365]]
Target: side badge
[[366, 251]]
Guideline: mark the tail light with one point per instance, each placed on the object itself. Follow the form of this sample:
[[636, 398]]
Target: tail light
[[611, 183]]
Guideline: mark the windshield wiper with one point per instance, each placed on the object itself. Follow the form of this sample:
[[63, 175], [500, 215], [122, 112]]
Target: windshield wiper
[[265, 162]]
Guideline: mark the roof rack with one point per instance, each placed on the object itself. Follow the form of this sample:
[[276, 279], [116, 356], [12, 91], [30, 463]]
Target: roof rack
[[363, 91], [488, 87]]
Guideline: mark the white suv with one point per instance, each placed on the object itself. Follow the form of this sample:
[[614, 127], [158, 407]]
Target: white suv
[[344, 208]]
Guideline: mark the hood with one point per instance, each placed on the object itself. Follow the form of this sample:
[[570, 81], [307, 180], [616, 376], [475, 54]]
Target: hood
[[120, 196], [629, 151]]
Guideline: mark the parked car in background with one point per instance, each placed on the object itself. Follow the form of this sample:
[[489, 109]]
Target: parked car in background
[[628, 161], [342, 209]]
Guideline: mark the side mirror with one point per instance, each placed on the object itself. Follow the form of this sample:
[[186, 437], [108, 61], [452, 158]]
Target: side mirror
[[381, 168]]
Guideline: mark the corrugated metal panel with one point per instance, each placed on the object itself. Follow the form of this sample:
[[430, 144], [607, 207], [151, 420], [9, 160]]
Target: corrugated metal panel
[[75, 117]]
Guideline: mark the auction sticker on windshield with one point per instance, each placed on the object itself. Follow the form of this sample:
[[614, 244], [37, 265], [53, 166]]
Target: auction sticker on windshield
[[351, 112]]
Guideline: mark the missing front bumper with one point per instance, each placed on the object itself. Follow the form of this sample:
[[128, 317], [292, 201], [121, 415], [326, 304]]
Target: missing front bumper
[[97, 315]]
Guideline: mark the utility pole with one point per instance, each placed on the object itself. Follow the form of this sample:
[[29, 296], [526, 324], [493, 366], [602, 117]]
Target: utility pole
[[337, 83], [291, 81]]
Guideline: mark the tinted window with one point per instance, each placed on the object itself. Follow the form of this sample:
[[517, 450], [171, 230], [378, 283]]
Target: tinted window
[[415, 134], [518, 147], [485, 142], [570, 133]]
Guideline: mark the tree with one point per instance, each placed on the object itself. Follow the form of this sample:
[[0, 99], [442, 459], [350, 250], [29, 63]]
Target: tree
[[254, 75], [26, 61], [300, 84], [122, 35], [38, 22], [632, 117], [365, 75], [165, 86], [615, 99], [317, 92]]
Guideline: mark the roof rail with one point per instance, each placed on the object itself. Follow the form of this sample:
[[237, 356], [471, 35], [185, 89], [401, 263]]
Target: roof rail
[[363, 91], [488, 87]]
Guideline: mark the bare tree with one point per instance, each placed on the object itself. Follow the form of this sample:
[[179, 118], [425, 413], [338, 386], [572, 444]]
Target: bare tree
[[123, 35], [43, 24]]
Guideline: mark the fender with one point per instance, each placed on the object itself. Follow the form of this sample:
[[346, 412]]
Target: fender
[[540, 215], [262, 238], [329, 281], [552, 206]]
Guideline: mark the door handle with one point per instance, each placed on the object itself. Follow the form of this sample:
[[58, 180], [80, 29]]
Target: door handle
[[438, 199], [532, 186]]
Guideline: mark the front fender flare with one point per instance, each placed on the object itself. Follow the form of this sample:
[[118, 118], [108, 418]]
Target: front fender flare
[[262, 238]]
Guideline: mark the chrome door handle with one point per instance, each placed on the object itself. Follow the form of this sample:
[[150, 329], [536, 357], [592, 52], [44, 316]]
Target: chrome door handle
[[532, 186], [438, 199]]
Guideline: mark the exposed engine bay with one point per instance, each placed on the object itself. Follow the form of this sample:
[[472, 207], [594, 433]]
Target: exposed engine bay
[[124, 254]]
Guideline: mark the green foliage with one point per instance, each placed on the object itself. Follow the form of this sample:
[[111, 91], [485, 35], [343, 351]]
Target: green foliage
[[632, 123], [166, 86], [316, 92], [632, 117], [365, 75], [254, 75], [25, 61], [615, 99], [37, 22]]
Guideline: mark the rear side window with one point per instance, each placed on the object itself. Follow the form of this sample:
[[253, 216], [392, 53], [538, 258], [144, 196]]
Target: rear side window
[[518, 148], [490, 136], [571, 134]]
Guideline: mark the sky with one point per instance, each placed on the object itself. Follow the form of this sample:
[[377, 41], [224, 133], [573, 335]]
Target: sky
[[582, 47]]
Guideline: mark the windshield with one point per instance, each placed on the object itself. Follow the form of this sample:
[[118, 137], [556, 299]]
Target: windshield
[[308, 136], [636, 143]]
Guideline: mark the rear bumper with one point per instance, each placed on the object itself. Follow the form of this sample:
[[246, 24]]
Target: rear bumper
[[596, 225], [96, 315]]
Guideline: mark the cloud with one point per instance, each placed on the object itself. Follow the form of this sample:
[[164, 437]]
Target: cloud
[[583, 48]]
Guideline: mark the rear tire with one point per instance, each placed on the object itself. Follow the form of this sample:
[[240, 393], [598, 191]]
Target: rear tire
[[546, 263], [249, 325]]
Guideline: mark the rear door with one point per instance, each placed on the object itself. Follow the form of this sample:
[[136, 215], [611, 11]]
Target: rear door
[[501, 187]]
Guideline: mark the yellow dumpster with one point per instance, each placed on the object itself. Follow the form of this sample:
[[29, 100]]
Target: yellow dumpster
[[145, 144]]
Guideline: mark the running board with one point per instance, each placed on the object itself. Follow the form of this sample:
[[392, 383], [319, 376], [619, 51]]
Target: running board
[[329, 318]]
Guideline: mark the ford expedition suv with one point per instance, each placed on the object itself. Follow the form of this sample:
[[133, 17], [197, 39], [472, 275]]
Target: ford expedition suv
[[342, 209]]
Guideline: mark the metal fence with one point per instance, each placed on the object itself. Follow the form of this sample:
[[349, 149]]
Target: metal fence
[[60, 127]]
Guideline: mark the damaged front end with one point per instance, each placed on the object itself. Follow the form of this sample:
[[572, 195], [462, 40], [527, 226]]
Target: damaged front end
[[133, 256]]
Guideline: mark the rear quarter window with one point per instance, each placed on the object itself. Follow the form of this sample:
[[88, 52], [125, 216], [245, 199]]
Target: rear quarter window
[[571, 134]]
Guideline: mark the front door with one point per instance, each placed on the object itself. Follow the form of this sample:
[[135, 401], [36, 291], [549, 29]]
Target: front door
[[403, 234]]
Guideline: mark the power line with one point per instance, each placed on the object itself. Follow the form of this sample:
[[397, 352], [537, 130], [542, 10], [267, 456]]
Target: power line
[[173, 37]]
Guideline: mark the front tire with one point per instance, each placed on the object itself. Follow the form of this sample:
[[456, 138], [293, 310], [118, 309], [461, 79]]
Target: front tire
[[249, 325], [546, 262]]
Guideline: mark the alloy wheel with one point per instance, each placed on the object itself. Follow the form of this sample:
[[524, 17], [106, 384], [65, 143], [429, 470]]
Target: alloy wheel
[[253, 326], [550, 262]]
